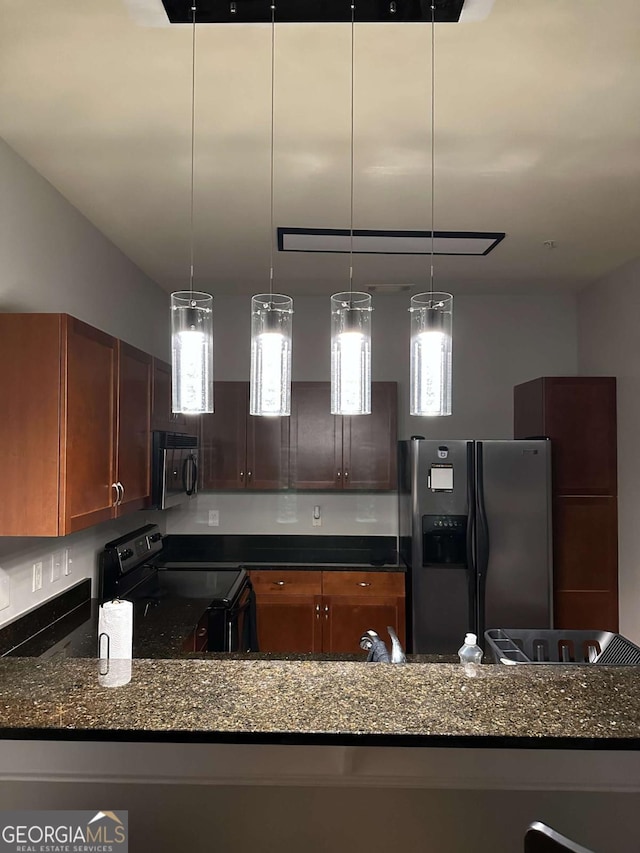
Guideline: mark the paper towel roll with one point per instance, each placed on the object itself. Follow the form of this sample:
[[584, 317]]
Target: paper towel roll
[[114, 673], [115, 642]]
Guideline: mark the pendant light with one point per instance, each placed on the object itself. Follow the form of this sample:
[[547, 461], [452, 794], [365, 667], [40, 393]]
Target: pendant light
[[192, 314], [431, 317], [351, 324], [271, 321]]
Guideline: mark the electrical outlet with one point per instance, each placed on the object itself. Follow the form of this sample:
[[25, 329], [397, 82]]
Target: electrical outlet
[[5, 590], [37, 576], [316, 517], [214, 518], [56, 566]]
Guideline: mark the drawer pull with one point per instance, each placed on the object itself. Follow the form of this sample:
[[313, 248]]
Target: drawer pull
[[278, 583], [364, 583], [202, 632]]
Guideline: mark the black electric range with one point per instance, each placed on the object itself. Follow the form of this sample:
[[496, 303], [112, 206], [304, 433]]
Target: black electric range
[[134, 567]]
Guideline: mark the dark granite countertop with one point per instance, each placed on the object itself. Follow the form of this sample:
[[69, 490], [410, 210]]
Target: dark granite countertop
[[324, 702], [299, 567]]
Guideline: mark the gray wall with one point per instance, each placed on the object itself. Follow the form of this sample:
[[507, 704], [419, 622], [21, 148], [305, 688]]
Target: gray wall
[[609, 334], [54, 260]]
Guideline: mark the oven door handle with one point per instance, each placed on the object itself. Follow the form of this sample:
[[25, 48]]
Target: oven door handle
[[235, 614]]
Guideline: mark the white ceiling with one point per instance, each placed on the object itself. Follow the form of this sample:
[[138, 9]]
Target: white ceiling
[[537, 134]]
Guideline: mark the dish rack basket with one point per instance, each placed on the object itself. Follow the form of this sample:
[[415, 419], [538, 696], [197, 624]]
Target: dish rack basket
[[546, 646]]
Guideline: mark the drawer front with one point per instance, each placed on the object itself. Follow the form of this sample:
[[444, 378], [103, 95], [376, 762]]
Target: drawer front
[[363, 583], [274, 581]]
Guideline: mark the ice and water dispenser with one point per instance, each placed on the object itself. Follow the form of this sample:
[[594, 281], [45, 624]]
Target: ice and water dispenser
[[444, 540]]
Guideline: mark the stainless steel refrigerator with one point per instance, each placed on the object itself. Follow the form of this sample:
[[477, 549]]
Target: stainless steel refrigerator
[[475, 532]]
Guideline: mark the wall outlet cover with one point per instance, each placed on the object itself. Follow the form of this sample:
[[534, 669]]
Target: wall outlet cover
[[5, 590], [56, 566], [214, 518], [37, 576]]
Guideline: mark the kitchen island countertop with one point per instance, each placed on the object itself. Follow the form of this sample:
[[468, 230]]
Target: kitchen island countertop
[[324, 702]]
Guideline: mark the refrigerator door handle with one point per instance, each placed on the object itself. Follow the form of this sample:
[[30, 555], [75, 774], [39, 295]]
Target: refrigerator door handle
[[482, 540], [471, 533]]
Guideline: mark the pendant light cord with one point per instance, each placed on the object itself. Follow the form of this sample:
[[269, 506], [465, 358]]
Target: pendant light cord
[[273, 65], [433, 42], [353, 6], [193, 131]]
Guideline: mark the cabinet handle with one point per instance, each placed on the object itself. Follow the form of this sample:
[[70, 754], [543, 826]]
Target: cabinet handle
[[117, 498], [317, 611], [346, 475], [202, 632], [326, 611], [339, 475], [122, 491], [364, 583], [242, 475], [278, 583], [249, 476]]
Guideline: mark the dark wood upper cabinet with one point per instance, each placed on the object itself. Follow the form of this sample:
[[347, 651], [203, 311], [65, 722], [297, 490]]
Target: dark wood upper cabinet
[[316, 438], [369, 442], [134, 428], [240, 451], [163, 418], [223, 438], [79, 425], [89, 426], [333, 452], [578, 414]]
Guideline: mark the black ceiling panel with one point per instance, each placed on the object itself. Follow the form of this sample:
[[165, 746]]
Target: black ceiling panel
[[312, 11]]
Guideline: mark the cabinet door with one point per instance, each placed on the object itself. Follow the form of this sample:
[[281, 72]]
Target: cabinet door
[[267, 453], [346, 618], [578, 414], [585, 563], [289, 623], [30, 423], [223, 438], [316, 438], [369, 442], [163, 418], [355, 602], [580, 418], [88, 445], [288, 610], [134, 422]]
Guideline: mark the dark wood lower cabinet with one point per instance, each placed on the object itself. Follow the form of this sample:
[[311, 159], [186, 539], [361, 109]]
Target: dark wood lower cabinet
[[585, 535], [310, 611]]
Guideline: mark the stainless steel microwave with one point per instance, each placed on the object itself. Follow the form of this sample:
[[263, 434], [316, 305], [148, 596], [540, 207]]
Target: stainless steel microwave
[[174, 468]]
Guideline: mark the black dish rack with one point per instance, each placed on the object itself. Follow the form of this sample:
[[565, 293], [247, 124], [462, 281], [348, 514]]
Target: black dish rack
[[545, 646]]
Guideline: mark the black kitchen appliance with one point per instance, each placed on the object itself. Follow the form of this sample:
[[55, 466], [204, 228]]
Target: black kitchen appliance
[[174, 468], [475, 533], [134, 567]]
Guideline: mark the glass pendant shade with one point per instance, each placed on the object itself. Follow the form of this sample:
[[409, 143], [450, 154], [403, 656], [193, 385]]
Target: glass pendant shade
[[431, 327], [271, 322], [191, 352], [351, 353]]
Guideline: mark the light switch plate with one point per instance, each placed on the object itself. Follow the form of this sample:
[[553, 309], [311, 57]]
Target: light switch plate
[[5, 590]]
